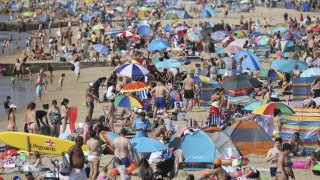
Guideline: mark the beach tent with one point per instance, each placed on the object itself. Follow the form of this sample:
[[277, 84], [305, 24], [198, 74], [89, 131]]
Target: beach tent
[[222, 142], [180, 12], [198, 149], [306, 124], [208, 12], [252, 62], [301, 88], [249, 138]]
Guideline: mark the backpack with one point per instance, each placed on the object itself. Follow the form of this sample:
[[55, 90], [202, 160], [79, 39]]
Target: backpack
[[64, 170]]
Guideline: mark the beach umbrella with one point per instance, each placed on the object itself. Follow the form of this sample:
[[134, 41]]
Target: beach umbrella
[[239, 33], [295, 47], [168, 63], [147, 145], [101, 49], [126, 34], [241, 100], [135, 86], [240, 82], [310, 72], [268, 109], [168, 28], [181, 28], [157, 45], [229, 39], [232, 49], [98, 27], [256, 34], [239, 42], [96, 13], [135, 38], [288, 65], [262, 40], [144, 30], [28, 14], [270, 74], [108, 137], [202, 79], [194, 34], [134, 61], [236, 93], [279, 29], [311, 26], [132, 70], [86, 18], [115, 31], [295, 35], [252, 106], [219, 35], [120, 9], [127, 102], [250, 61]]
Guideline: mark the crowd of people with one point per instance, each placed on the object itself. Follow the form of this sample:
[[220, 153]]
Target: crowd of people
[[171, 92]]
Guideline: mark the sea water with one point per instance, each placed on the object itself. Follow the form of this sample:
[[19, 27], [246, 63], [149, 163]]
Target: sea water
[[21, 41], [22, 94]]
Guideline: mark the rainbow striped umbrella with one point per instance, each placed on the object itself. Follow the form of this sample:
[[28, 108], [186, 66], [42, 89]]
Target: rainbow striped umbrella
[[135, 86], [241, 92], [194, 35], [269, 108], [127, 102], [262, 40]]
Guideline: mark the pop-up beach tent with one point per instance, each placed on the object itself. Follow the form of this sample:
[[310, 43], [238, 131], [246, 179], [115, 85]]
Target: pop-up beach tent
[[208, 12], [180, 13], [249, 138]]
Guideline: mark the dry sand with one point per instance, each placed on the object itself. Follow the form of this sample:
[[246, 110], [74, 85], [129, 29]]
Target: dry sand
[[75, 92]]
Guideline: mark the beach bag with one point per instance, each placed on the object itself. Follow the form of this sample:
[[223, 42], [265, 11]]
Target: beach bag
[[64, 171]]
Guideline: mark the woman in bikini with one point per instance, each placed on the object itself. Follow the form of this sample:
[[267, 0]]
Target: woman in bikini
[[31, 118], [12, 120], [55, 118], [64, 114], [110, 115], [284, 169], [277, 123]]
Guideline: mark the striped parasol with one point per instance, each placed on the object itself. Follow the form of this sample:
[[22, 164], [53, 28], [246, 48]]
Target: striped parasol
[[127, 102], [194, 34], [101, 49], [232, 49], [135, 86], [219, 35], [132, 70]]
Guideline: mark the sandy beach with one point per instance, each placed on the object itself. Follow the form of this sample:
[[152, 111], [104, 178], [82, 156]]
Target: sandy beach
[[76, 92]]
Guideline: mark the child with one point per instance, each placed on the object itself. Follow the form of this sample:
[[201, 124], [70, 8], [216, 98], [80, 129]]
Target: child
[[197, 95], [30, 73], [311, 160], [102, 174], [121, 170], [61, 82], [37, 166], [12, 82]]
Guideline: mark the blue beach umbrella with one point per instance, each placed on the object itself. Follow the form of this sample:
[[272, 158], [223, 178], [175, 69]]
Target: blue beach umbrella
[[251, 61], [132, 70], [86, 17], [168, 63], [144, 30], [311, 72], [157, 45], [295, 35], [168, 28], [253, 106], [147, 145], [101, 49], [288, 65]]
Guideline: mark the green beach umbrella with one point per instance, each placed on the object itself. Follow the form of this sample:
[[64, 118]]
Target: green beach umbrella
[[27, 14]]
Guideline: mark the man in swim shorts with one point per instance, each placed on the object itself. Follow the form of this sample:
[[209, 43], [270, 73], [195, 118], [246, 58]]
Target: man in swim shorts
[[18, 69], [272, 156], [189, 88], [90, 100], [122, 148], [160, 92]]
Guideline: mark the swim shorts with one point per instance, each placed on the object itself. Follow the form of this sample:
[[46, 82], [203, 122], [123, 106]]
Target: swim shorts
[[39, 89], [125, 161], [188, 94], [90, 105], [159, 102], [273, 171], [19, 72]]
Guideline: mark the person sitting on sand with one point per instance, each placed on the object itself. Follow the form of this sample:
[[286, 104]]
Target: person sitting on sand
[[311, 160], [160, 129], [297, 145], [36, 166], [216, 172]]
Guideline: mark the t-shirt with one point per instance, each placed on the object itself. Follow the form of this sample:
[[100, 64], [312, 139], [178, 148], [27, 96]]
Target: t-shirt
[[93, 38], [138, 124]]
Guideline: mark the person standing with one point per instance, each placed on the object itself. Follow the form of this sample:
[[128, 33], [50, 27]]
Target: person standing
[[189, 88], [12, 119], [159, 92], [7, 104], [273, 155], [277, 123], [30, 117], [18, 69], [77, 67], [284, 168], [122, 148], [64, 114], [76, 159], [94, 147], [90, 100], [54, 116], [96, 85]]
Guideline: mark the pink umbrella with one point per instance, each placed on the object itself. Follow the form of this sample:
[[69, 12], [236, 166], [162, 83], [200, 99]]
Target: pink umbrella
[[232, 49]]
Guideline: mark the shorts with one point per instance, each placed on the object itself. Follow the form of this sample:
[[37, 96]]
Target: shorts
[[39, 89], [125, 161], [273, 171], [19, 72], [188, 94], [159, 102], [90, 105]]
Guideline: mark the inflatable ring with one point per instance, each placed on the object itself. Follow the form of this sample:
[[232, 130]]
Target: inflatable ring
[[316, 170], [299, 164], [133, 166]]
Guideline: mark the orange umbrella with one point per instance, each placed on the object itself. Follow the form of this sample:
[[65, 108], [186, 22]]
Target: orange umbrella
[[311, 26], [135, 86]]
